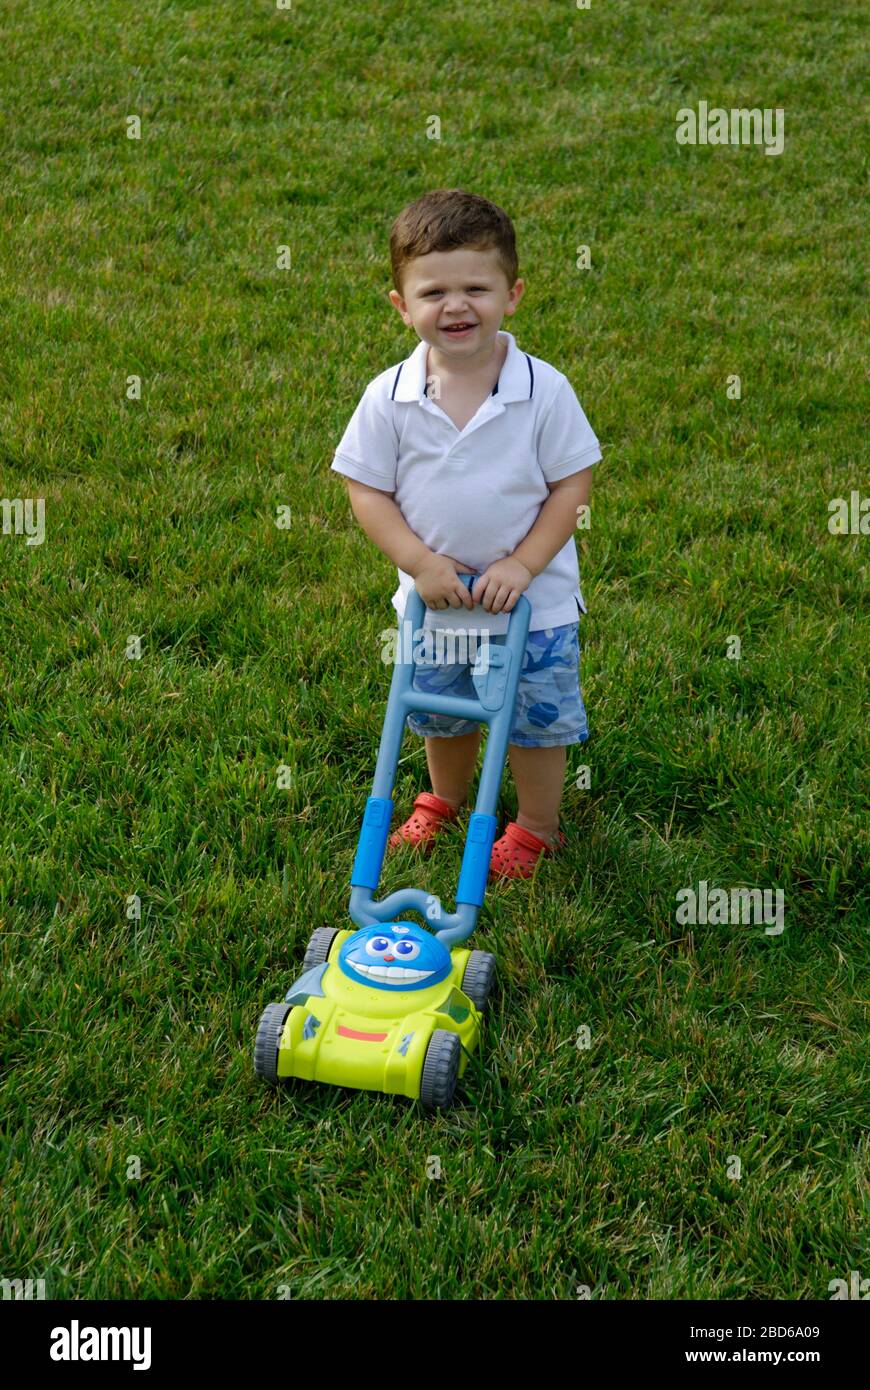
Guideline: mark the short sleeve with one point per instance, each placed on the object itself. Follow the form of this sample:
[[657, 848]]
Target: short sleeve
[[369, 448], [566, 441]]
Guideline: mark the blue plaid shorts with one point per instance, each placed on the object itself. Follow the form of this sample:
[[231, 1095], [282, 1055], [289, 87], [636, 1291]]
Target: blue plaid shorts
[[549, 709]]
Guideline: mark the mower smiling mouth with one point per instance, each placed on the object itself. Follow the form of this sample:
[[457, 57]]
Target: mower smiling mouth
[[392, 974]]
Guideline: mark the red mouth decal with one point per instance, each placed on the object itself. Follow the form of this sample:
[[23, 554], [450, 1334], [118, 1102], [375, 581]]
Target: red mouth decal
[[360, 1037]]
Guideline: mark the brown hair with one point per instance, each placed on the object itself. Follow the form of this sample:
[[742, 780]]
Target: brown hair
[[449, 218]]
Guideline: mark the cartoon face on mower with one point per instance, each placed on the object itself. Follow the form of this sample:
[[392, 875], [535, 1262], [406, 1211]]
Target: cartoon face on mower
[[400, 955]]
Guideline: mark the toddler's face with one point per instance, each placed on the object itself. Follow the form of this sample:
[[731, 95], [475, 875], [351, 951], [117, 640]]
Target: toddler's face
[[446, 289]]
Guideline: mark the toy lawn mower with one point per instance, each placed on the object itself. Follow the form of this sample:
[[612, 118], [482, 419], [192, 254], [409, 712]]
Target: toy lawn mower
[[391, 1006]]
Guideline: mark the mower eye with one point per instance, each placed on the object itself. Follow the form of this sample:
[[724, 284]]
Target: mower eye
[[406, 950], [378, 946]]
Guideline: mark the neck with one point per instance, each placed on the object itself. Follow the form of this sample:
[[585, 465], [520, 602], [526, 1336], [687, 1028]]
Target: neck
[[471, 366]]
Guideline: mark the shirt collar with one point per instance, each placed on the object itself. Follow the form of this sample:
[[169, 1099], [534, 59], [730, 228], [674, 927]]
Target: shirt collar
[[516, 381]]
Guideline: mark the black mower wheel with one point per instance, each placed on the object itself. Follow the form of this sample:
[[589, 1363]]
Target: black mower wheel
[[440, 1070], [478, 978], [268, 1041], [317, 949]]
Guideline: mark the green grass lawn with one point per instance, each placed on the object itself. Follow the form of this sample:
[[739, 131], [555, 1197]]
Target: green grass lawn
[[606, 1167]]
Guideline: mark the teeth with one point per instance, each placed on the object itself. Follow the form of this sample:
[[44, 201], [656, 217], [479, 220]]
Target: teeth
[[393, 974]]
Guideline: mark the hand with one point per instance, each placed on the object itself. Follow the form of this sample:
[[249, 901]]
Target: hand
[[501, 584], [438, 585]]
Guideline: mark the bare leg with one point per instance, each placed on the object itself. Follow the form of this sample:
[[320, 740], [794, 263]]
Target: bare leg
[[451, 765], [539, 776]]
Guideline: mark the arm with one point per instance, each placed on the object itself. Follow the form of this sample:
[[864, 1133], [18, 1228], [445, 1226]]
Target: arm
[[555, 521], [500, 587], [435, 576], [384, 524]]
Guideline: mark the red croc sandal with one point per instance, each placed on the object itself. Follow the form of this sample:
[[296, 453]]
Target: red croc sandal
[[518, 851], [428, 817]]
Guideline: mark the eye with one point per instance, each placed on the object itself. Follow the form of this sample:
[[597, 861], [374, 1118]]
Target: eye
[[378, 946], [406, 950], [429, 293]]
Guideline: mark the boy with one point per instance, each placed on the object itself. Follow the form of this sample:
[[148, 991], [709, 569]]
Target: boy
[[473, 456]]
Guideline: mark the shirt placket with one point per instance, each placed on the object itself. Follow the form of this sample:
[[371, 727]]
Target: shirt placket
[[488, 411]]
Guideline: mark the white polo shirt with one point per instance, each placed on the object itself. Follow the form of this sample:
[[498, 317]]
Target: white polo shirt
[[475, 493]]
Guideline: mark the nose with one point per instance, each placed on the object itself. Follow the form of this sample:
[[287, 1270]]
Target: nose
[[389, 957]]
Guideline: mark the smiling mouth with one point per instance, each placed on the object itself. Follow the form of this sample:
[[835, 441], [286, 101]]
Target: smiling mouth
[[459, 328], [392, 974]]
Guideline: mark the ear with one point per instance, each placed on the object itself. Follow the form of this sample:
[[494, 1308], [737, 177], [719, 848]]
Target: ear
[[515, 294], [399, 304]]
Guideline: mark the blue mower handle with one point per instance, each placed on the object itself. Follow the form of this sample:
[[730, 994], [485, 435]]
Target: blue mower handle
[[495, 677]]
